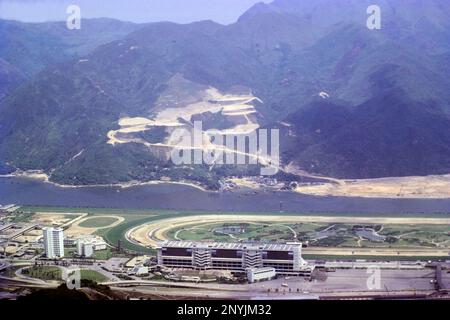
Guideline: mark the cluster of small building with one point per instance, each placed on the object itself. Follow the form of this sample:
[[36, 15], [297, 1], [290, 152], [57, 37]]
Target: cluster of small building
[[19, 240], [229, 184], [255, 261], [25, 240], [8, 208], [138, 266], [55, 242]]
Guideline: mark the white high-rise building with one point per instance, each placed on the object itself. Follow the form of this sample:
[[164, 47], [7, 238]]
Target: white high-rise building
[[53, 242]]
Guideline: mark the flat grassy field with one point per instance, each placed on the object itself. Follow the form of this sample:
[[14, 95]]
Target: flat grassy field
[[54, 273], [93, 276], [121, 212], [320, 234], [99, 222], [113, 235], [317, 234], [98, 255], [43, 272]]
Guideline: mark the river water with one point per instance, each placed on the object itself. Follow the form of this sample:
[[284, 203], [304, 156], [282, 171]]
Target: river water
[[25, 191]]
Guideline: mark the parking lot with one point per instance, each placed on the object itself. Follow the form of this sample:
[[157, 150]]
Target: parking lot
[[355, 280]]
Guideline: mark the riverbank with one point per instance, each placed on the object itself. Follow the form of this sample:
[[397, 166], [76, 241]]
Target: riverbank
[[43, 177], [427, 187], [171, 196]]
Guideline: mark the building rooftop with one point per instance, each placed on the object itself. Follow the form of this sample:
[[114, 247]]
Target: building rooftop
[[56, 229], [231, 245]]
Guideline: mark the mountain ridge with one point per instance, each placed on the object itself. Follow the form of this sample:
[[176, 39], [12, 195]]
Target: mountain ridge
[[380, 81]]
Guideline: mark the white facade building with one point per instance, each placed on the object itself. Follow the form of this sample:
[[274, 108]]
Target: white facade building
[[285, 258], [97, 242], [260, 274], [85, 249], [53, 242], [139, 271]]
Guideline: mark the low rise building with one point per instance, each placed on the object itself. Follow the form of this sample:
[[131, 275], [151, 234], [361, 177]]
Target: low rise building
[[139, 271], [97, 242], [85, 248], [260, 274], [137, 261]]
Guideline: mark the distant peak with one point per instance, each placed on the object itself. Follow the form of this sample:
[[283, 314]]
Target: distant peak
[[256, 9]]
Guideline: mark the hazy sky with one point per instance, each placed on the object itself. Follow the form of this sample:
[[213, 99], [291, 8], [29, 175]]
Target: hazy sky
[[222, 11]]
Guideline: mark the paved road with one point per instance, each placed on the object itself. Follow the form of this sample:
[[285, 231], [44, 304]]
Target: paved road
[[354, 282], [389, 252], [3, 265]]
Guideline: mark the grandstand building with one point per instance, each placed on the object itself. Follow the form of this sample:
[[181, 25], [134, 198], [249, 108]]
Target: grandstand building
[[237, 257]]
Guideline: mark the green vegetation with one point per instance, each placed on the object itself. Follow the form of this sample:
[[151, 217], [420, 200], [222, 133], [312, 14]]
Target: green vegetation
[[98, 255], [19, 216], [379, 100], [10, 272], [117, 233], [43, 272], [97, 222], [93, 275], [55, 273], [70, 252], [103, 254], [241, 231], [163, 213], [342, 235], [62, 293], [321, 234]]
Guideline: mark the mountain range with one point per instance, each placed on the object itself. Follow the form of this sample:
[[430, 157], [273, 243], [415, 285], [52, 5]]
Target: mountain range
[[350, 102]]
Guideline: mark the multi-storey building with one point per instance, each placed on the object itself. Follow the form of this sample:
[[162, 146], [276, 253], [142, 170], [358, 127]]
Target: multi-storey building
[[85, 248], [238, 257], [53, 242]]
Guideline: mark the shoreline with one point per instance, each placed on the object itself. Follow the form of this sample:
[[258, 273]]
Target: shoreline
[[347, 189], [432, 187], [40, 176]]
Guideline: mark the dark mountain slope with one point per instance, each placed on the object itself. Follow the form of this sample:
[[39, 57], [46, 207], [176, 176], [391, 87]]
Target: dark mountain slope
[[390, 135], [362, 103], [10, 78], [29, 48]]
